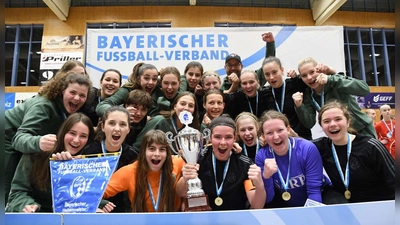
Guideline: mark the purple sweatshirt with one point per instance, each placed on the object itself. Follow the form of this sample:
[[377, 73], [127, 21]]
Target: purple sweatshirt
[[306, 173]]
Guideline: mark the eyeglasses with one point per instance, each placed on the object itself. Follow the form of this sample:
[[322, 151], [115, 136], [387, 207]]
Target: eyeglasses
[[233, 65]]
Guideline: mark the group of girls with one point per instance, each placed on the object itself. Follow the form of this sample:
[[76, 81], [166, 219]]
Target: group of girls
[[288, 169]]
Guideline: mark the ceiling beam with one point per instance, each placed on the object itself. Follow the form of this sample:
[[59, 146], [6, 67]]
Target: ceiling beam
[[323, 9], [59, 7]]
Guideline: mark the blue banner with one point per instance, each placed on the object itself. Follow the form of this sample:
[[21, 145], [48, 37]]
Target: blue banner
[[78, 185], [9, 100], [376, 99]]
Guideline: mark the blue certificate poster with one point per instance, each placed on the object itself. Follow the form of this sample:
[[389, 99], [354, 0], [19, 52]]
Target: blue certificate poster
[[78, 185]]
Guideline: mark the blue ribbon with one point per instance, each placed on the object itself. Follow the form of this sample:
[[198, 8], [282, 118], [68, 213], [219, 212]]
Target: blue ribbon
[[156, 204], [103, 147], [280, 109], [251, 109], [257, 148], [316, 103], [346, 178], [219, 189], [285, 184]]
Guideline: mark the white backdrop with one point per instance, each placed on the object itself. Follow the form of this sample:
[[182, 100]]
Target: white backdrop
[[122, 48]]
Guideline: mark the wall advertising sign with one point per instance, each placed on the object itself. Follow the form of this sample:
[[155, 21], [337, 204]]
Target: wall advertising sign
[[376, 99], [122, 48]]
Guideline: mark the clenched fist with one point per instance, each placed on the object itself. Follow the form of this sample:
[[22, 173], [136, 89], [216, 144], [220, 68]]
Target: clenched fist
[[270, 167], [298, 99], [47, 142], [254, 174], [267, 37], [291, 73]]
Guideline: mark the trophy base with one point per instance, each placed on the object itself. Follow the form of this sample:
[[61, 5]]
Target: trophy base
[[198, 203]]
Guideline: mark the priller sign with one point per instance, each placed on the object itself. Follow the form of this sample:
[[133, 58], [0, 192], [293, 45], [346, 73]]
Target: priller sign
[[52, 61]]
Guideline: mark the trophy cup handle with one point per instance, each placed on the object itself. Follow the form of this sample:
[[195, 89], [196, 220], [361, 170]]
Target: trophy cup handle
[[206, 137], [170, 138]]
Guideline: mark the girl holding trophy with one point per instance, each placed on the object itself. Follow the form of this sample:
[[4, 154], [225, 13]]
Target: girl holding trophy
[[231, 181]]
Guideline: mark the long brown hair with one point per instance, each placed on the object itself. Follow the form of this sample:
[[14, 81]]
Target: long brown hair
[[195, 124], [167, 199], [137, 71], [39, 175], [100, 135]]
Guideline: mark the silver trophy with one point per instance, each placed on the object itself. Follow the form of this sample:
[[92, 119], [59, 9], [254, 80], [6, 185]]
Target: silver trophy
[[190, 143]]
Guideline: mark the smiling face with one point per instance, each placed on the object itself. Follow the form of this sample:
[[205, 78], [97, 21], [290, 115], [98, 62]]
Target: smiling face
[[76, 138], [309, 76], [273, 74], [249, 84], [156, 155], [233, 66], [170, 85], [214, 105], [110, 84], [211, 82], [247, 131], [115, 128], [187, 103], [193, 76], [276, 134], [148, 80], [74, 96], [222, 140], [335, 124]]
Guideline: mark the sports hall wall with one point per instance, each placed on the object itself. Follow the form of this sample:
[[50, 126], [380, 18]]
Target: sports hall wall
[[186, 16]]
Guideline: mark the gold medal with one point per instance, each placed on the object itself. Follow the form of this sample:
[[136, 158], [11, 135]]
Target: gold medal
[[286, 196], [218, 201], [347, 194]]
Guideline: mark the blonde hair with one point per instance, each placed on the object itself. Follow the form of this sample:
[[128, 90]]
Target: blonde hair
[[246, 115], [253, 73], [307, 60], [210, 73]]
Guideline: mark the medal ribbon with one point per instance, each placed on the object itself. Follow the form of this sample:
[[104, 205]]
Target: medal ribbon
[[174, 124], [251, 109], [245, 149], [346, 178], [315, 102], [285, 184], [219, 189], [156, 204], [280, 109], [103, 147], [391, 125]]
